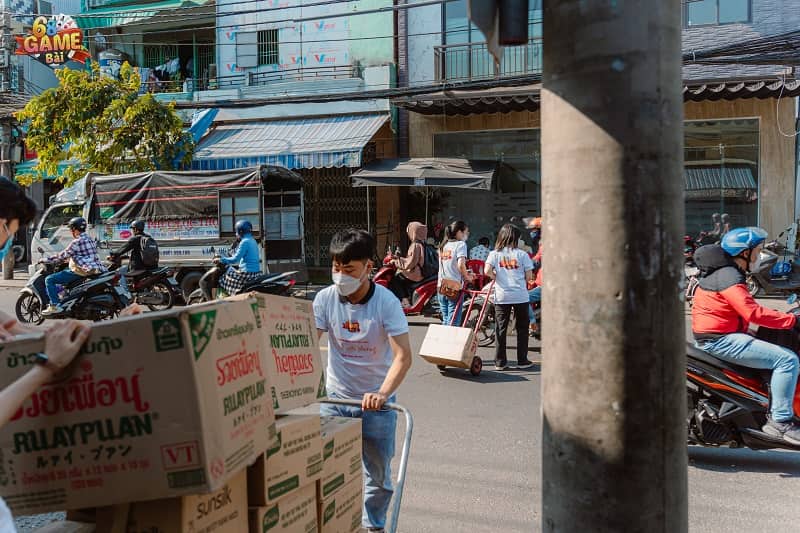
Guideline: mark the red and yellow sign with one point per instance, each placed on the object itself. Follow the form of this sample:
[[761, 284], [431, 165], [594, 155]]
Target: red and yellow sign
[[54, 41]]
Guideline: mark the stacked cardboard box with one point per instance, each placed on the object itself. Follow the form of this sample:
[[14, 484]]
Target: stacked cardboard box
[[340, 490]]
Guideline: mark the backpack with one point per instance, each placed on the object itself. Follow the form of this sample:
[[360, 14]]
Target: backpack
[[149, 248], [430, 266]]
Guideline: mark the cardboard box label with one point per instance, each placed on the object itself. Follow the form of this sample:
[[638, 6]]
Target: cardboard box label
[[341, 513], [341, 452], [295, 513], [294, 461], [157, 405], [294, 360]]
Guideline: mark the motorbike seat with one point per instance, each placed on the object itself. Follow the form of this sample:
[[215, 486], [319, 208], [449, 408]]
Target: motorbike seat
[[759, 374], [417, 284], [148, 272], [261, 279]]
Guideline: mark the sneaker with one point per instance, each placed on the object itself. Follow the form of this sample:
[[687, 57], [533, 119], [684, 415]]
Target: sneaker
[[500, 365], [52, 310], [376, 529], [525, 364], [788, 431]]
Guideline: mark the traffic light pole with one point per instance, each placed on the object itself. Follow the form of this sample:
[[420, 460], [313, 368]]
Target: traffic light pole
[[614, 456]]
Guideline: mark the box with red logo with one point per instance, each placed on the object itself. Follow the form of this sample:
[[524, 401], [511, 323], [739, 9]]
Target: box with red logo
[[157, 406], [293, 359]]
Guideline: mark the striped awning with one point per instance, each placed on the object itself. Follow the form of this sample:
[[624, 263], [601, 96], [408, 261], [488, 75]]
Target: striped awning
[[318, 142], [702, 178], [112, 16]]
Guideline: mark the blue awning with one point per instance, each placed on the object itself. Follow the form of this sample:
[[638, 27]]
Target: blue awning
[[318, 142], [26, 167]]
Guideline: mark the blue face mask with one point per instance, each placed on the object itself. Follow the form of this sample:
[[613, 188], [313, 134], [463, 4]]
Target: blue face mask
[[7, 246], [534, 233]]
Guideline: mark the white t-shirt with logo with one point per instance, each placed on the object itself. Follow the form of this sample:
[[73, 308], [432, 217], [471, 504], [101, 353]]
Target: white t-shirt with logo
[[448, 260], [510, 266], [359, 353]]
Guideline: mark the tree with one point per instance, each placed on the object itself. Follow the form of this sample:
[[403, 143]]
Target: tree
[[102, 125]]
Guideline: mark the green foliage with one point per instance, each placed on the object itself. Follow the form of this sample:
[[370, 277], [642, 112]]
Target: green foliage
[[104, 125]]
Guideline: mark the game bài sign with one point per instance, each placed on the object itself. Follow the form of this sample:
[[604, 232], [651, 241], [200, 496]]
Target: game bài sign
[[53, 41]]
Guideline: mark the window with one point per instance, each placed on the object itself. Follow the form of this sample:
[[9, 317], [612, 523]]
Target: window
[[283, 216], [712, 12], [459, 29], [238, 205], [58, 217], [268, 47]]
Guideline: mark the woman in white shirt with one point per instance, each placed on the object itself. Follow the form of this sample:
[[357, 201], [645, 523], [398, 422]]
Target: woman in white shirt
[[511, 268], [453, 270]]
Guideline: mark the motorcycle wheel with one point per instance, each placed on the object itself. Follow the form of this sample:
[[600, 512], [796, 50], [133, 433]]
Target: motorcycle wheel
[[168, 299], [29, 309], [753, 287]]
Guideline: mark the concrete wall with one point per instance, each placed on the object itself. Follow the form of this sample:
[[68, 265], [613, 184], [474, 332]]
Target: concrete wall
[[777, 158], [424, 27]]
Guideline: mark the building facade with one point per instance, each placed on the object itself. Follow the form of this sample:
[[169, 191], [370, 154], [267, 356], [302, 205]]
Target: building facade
[[739, 129]]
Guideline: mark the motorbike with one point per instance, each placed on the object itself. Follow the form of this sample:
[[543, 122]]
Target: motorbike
[[279, 284], [423, 299], [727, 403], [774, 276], [93, 298], [155, 288]]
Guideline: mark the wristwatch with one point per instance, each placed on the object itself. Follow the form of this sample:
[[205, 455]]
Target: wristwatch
[[42, 360]]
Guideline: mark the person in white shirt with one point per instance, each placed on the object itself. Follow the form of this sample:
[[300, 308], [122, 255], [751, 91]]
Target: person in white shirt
[[368, 357], [511, 268], [480, 252], [453, 268]]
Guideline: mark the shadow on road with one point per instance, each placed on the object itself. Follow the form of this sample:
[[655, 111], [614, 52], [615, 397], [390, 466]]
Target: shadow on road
[[491, 376], [784, 463]]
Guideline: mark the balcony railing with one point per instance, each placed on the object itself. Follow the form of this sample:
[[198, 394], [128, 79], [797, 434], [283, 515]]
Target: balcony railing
[[255, 79], [472, 61]]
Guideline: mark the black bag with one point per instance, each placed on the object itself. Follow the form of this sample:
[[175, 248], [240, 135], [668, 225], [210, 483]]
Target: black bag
[[430, 267], [149, 248]]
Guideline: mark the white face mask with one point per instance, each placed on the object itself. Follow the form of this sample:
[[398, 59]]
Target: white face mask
[[346, 285]]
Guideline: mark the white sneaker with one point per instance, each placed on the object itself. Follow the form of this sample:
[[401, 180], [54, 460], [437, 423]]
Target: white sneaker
[[52, 310]]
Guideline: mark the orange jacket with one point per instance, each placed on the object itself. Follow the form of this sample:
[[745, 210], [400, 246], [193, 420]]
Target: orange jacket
[[732, 310], [538, 259]]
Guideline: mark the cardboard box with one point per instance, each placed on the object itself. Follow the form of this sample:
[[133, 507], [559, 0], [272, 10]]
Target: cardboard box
[[294, 513], [223, 511], [67, 527], [449, 346], [295, 364], [341, 513], [293, 462], [341, 454], [159, 405]]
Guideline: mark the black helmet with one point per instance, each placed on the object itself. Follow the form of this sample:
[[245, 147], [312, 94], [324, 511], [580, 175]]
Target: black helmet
[[77, 223], [137, 226]]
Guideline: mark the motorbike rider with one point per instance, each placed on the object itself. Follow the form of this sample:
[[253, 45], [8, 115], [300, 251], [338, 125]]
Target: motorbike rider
[[134, 246], [409, 268], [248, 258], [723, 309], [83, 262]]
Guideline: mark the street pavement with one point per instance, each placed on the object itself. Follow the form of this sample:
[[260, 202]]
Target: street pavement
[[475, 464]]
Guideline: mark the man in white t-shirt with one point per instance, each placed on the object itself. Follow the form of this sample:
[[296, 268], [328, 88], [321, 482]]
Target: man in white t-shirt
[[368, 358]]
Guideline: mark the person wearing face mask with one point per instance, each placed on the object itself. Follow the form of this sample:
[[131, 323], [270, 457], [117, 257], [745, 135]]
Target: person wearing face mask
[[369, 355], [534, 226], [63, 339], [722, 312]]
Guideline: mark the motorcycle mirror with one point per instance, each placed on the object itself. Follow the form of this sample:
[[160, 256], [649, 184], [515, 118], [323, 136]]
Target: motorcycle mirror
[[791, 300]]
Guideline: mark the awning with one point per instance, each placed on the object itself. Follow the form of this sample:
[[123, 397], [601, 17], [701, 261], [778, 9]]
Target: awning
[[704, 178], [26, 167], [109, 17], [467, 102], [741, 89], [438, 172], [318, 142]]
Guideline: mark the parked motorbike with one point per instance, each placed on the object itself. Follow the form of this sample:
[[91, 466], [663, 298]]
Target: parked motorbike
[[279, 284], [727, 403], [92, 298], [423, 299], [155, 288]]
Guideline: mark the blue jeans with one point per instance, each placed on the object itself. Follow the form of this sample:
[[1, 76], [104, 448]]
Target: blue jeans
[[449, 308], [51, 283], [534, 296], [377, 434], [742, 349]]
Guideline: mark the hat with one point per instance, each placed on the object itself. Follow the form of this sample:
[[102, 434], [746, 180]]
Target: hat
[[533, 222]]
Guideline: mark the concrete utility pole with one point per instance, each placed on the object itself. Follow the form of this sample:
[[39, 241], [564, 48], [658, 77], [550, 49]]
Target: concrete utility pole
[[614, 455]]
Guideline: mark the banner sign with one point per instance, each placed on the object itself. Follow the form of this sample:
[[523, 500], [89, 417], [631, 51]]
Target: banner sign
[[53, 41]]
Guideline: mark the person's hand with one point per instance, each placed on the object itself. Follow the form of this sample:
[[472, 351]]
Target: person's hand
[[373, 401], [63, 341], [131, 310]]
